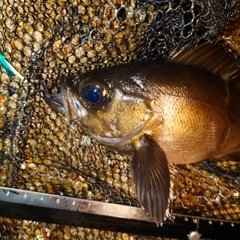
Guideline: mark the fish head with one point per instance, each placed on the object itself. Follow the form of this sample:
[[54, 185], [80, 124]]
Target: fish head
[[108, 110]]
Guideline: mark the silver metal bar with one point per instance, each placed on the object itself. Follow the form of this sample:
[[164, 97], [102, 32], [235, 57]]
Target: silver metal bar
[[42, 207], [71, 204]]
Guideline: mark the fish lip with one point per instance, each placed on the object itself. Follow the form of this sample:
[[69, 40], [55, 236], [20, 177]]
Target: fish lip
[[55, 101], [73, 109], [65, 102]]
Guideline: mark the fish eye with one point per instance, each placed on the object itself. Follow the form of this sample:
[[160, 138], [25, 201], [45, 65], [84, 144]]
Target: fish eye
[[94, 94]]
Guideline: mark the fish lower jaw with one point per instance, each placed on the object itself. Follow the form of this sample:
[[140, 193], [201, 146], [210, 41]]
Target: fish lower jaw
[[123, 143], [110, 141]]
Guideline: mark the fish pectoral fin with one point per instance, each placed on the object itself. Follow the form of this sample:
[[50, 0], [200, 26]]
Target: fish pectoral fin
[[151, 178], [55, 101]]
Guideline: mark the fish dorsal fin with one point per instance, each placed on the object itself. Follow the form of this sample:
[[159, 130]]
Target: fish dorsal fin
[[151, 178], [211, 58]]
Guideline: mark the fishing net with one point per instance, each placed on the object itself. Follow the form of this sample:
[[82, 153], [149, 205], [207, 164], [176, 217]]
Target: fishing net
[[44, 152]]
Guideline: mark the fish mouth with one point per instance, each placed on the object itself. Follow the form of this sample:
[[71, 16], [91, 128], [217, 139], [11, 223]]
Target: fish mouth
[[65, 102], [55, 101]]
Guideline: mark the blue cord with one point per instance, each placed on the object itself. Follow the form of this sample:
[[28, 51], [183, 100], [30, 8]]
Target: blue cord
[[11, 71]]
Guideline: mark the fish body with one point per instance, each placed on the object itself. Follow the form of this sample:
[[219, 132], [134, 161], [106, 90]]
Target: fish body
[[182, 111]]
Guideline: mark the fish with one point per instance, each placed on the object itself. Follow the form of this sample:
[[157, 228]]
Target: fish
[[180, 111]]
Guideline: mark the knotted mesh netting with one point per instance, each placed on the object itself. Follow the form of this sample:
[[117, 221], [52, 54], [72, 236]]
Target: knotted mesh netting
[[42, 151]]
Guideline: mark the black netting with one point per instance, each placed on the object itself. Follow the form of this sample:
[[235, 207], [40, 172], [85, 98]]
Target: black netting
[[42, 151]]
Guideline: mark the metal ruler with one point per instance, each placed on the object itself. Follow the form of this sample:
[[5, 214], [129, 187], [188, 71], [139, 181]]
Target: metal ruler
[[42, 207]]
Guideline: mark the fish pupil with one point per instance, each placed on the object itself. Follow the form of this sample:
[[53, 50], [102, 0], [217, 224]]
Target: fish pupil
[[93, 96]]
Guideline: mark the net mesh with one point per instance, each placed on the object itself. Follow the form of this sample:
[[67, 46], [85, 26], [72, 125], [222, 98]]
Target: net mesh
[[42, 151]]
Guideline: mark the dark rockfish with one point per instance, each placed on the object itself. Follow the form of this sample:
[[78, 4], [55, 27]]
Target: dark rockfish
[[183, 111]]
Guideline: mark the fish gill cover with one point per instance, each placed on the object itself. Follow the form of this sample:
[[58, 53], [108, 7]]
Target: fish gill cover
[[42, 151]]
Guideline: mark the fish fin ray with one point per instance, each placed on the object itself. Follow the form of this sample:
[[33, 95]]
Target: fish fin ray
[[211, 58], [152, 178]]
